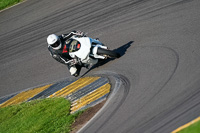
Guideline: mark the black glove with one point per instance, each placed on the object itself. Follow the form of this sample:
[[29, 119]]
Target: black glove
[[79, 33], [75, 61]]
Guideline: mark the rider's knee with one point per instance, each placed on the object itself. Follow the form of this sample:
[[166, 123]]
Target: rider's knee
[[73, 71]]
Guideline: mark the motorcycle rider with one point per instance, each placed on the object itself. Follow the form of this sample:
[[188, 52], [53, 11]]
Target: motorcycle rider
[[60, 51]]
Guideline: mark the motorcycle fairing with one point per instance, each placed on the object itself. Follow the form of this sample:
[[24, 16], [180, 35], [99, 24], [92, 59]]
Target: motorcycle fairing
[[84, 50]]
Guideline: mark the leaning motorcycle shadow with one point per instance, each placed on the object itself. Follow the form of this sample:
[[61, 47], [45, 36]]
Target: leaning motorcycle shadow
[[121, 50]]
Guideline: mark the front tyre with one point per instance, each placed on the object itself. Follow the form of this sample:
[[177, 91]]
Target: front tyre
[[107, 52]]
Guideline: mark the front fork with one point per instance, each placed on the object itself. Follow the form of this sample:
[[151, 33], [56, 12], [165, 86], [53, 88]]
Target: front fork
[[95, 45], [95, 49]]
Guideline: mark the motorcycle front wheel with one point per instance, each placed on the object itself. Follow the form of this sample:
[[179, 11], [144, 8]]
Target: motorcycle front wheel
[[107, 52]]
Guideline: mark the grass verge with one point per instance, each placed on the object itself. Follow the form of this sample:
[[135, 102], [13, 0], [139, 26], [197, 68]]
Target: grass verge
[[7, 3], [194, 128], [51, 115]]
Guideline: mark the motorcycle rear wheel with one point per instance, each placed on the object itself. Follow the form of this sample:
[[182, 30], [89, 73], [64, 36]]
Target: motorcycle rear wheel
[[107, 52]]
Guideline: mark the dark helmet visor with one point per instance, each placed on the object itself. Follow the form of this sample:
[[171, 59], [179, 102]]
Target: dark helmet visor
[[56, 44]]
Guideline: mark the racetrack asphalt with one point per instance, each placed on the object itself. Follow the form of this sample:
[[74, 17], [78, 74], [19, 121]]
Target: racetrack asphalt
[[159, 68]]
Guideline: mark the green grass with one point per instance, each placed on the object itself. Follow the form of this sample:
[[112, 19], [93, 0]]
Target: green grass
[[51, 115], [7, 3], [194, 128]]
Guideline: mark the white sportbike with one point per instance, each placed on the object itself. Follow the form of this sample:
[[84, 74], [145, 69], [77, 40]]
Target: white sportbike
[[88, 51]]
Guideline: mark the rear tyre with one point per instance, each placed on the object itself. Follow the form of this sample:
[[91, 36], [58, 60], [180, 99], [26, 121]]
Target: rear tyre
[[107, 52]]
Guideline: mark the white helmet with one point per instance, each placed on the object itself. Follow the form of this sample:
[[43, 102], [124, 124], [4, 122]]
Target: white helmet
[[54, 41]]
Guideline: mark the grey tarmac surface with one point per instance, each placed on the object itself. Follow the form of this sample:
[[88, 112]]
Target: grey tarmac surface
[[160, 64]]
